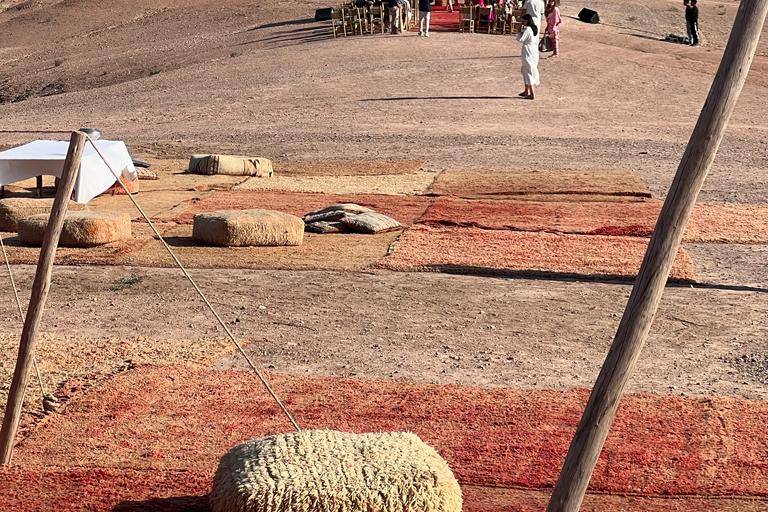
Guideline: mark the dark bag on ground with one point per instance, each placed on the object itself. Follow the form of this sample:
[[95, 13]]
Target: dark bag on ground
[[323, 14], [589, 16], [545, 45]]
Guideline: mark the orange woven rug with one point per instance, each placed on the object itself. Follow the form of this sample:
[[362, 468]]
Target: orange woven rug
[[488, 251], [176, 419]]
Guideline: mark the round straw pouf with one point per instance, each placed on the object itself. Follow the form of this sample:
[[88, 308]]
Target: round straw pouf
[[239, 228], [325, 470], [81, 229], [13, 209]]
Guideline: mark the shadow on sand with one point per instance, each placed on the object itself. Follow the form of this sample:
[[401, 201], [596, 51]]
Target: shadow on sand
[[175, 504], [410, 98]]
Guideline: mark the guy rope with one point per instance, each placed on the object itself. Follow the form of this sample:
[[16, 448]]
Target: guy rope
[[41, 286]]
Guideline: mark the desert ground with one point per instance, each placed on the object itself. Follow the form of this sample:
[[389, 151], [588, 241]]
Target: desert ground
[[480, 325]]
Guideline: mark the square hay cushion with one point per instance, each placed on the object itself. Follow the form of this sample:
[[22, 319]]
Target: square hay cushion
[[242, 228], [330, 471]]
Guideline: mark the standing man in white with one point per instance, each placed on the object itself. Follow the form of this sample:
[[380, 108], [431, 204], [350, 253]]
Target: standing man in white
[[536, 9]]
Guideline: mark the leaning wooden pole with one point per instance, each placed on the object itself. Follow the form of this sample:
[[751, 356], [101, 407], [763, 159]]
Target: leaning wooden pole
[[644, 300], [39, 295]]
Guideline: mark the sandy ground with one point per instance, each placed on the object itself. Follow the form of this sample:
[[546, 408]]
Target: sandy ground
[[197, 75], [187, 76], [382, 114], [424, 327]]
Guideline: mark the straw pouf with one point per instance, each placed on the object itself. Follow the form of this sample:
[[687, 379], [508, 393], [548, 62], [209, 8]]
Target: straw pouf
[[330, 471], [81, 229], [240, 228], [13, 209]]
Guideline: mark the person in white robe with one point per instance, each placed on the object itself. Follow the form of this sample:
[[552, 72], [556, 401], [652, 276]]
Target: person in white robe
[[536, 9], [529, 37]]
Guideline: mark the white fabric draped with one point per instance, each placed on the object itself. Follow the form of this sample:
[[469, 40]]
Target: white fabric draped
[[46, 157]]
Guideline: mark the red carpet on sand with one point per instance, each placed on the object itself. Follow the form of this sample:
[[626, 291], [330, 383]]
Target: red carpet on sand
[[157, 432], [443, 20]]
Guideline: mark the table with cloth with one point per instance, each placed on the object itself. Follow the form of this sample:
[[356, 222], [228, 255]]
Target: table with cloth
[[46, 157]]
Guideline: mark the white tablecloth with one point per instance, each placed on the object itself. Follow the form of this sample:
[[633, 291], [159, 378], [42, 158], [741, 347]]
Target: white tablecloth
[[46, 157]]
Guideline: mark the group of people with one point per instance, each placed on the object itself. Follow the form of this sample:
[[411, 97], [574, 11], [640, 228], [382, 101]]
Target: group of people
[[400, 12], [536, 15]]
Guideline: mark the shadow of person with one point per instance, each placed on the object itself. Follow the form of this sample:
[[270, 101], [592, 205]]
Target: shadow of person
[[174, 504]]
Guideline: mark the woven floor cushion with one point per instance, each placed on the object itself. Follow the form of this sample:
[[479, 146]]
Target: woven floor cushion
[[240, 228], [81, 229], [326, 470], [13, 209], [231, 165]]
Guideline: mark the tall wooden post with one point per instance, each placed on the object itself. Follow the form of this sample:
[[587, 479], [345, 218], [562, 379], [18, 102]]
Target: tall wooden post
[[643, 302], [39, 295]]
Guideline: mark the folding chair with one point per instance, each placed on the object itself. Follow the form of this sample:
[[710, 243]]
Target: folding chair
[[500, 23], [376, 17], [338, 21], [362, 18], [353, 21], [484, 18]]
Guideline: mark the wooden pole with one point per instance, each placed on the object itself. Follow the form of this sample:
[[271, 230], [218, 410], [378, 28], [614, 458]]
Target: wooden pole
[[643, 302], [39, 295]]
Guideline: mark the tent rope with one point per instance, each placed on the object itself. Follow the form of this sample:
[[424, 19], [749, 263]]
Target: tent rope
[[197, 289], [21, 317]]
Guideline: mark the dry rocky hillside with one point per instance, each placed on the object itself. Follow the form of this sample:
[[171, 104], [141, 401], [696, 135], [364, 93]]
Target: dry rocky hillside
[[191, 75]]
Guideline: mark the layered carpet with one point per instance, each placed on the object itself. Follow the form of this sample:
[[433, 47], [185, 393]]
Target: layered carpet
[[488, 251], [166, 419], [712, 222]]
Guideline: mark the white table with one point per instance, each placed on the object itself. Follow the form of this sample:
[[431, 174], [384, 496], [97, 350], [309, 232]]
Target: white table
[[46, 157]]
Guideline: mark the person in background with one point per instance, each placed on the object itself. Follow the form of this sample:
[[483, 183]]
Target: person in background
[[425, 9], [529, 36], [692, 21], [553, 25], [405, 9], [536, 9], [394, 16]]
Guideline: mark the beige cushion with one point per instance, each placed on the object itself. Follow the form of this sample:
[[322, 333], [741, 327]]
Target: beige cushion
[[237, 228], [326, 470], [231, 165], [81, 229], [369, 222], [13, 209]]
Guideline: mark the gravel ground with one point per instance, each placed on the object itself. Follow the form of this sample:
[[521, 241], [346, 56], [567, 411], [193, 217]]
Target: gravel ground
[[519, 333], [753, 365]]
